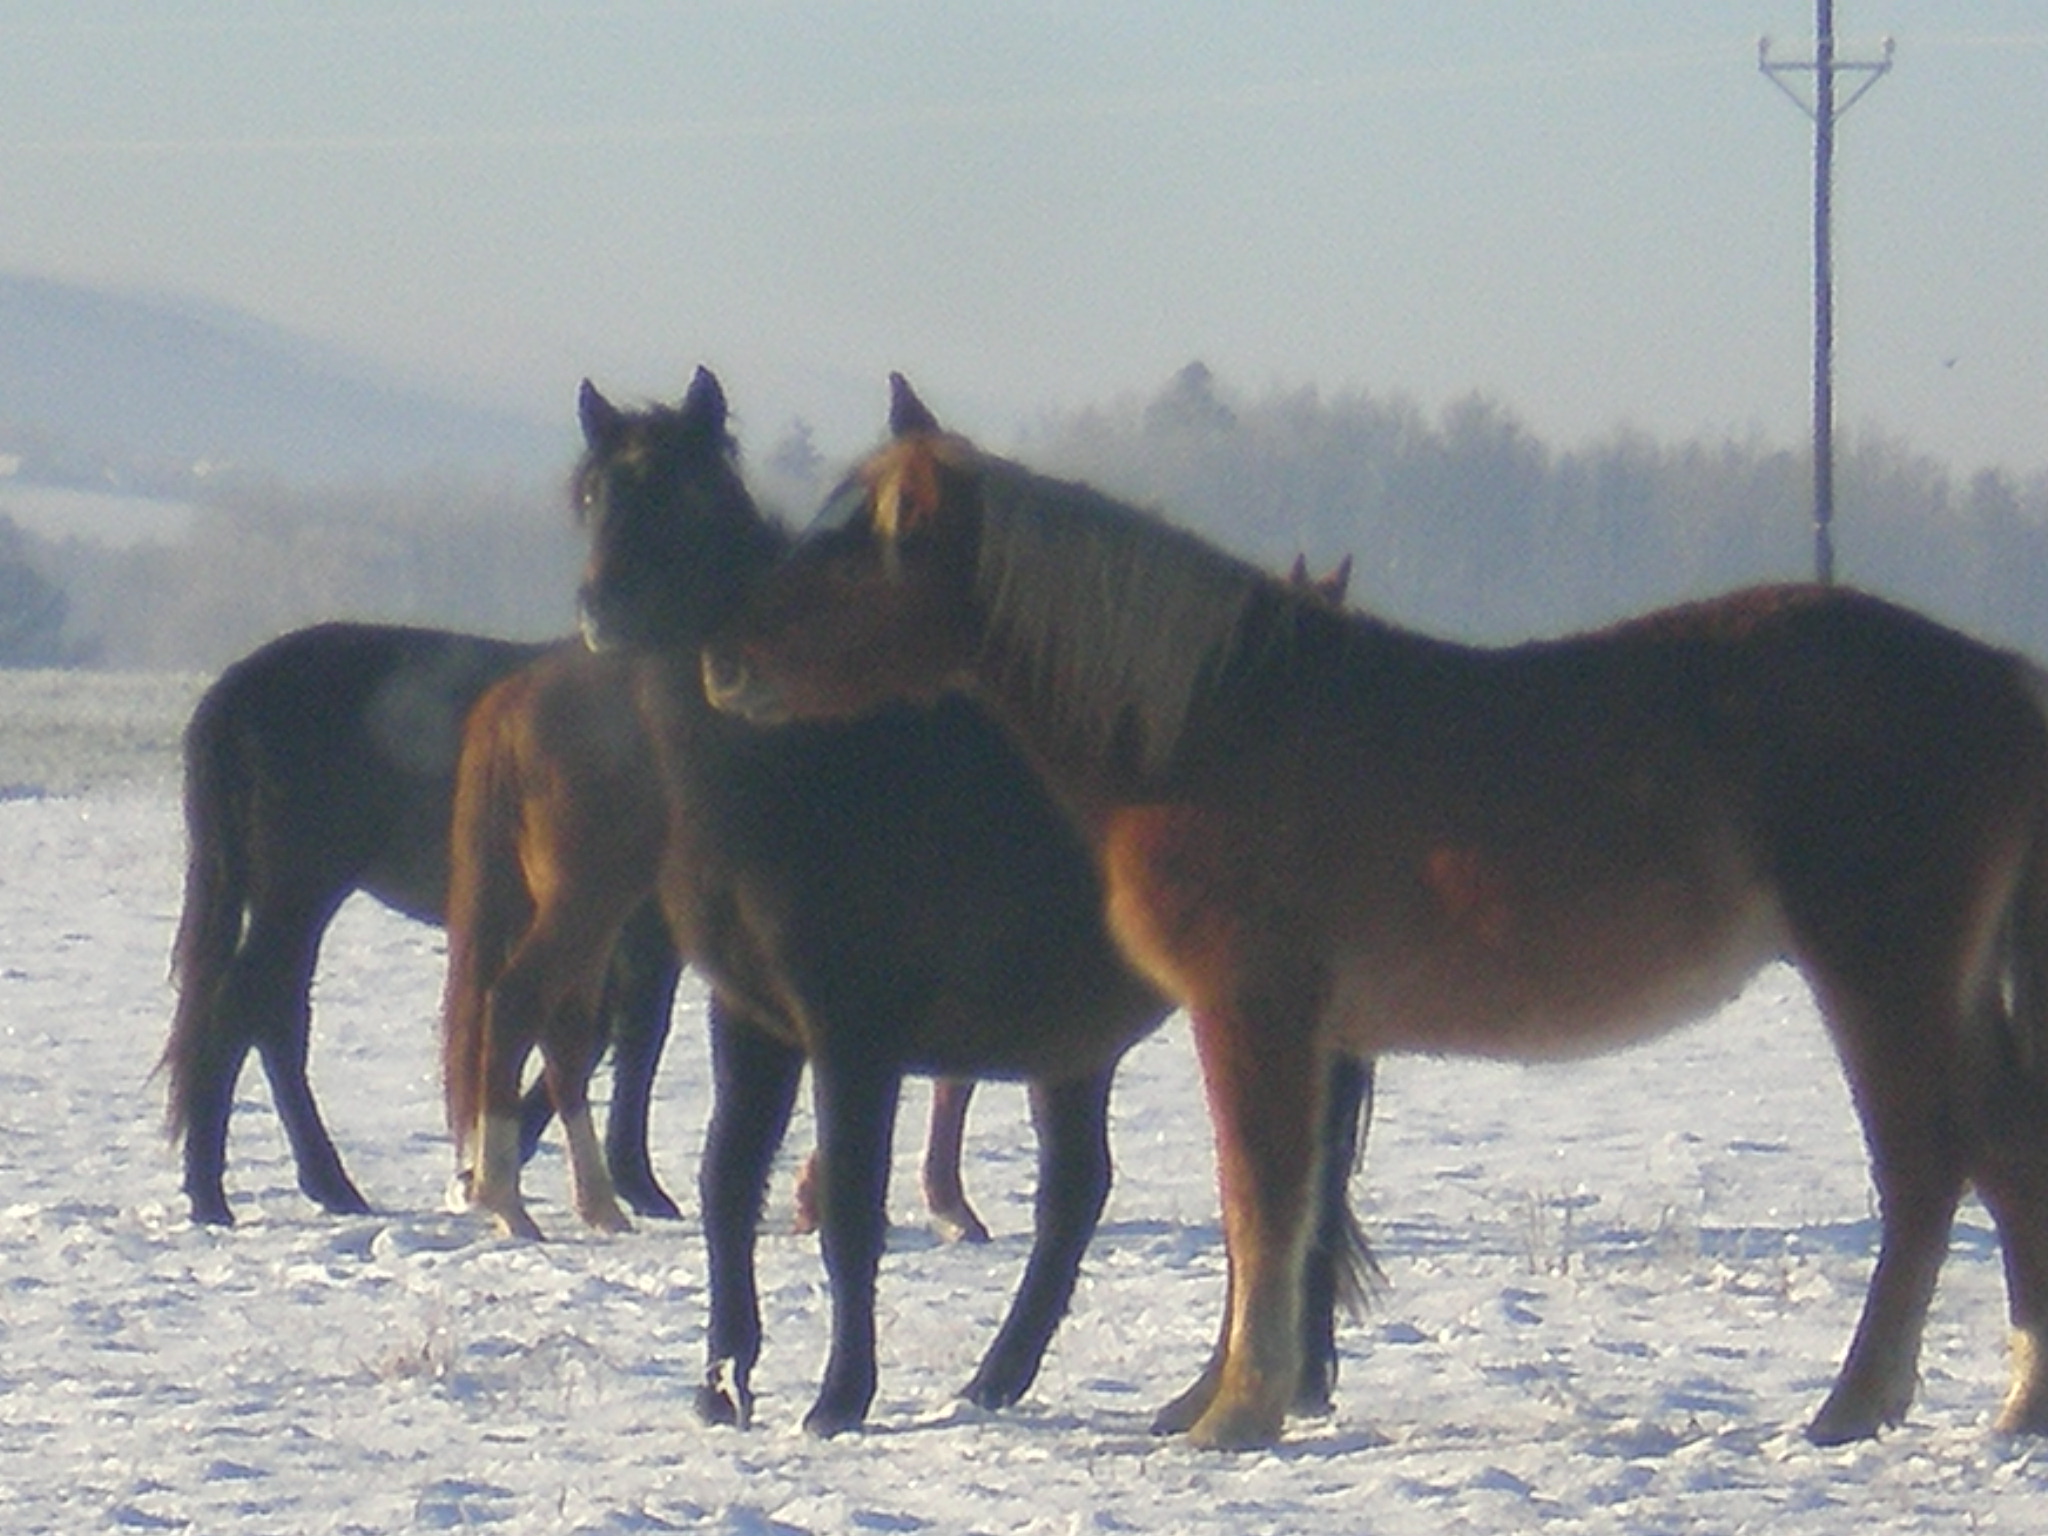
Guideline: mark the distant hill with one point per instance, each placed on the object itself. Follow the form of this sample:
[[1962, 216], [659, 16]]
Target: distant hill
[[99, 385]]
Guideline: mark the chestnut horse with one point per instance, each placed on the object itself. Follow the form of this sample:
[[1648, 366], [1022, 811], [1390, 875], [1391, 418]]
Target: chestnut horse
[[890, 896], [1323, 835], [556, 843], [320, 764]]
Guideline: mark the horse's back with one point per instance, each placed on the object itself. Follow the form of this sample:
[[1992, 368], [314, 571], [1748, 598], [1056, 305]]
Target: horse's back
[[337, 744], [1552, 848]]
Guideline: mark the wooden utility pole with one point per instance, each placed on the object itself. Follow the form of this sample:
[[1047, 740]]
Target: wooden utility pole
[[1824, 109]]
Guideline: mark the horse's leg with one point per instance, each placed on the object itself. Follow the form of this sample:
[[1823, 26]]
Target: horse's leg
[[754, 1082], [536, 1110], [271, 986], [570, 1045], [1331, 1269], [2009, 1166], [1072, 1120], [944, 1199], [1265, 1081], [207, 1100], [856, 1111], [639, 1000], [1902, 1079], [1337, 1255], [511, 1008]]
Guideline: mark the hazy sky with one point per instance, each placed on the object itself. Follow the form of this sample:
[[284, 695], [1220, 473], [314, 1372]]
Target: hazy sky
[[1597, 211]]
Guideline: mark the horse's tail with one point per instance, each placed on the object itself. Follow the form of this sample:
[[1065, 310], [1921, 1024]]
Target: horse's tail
[[2027, 927], [489, 906], [217, 794]]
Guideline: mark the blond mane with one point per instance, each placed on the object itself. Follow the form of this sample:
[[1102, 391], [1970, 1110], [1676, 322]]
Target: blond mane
[[1114, 623]]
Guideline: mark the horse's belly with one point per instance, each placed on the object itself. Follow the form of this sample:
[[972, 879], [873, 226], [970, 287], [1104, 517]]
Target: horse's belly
[[1581, 988]]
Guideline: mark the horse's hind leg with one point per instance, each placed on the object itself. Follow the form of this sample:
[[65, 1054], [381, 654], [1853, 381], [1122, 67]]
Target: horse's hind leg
[[639, 1000], [1902, 1077], [1074, 1172], [1338, 1255], [207, 1103], [754, 1080], [271, 985], [945, 1200], [2009, 1166]]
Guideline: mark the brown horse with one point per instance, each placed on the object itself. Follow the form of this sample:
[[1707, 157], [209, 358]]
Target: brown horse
[[889, 896], [558, 830], [1323, 834], [320, 764]]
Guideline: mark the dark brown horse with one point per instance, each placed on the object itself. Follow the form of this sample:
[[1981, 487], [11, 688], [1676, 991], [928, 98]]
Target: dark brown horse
[[890, 896], [1324, 835], [321, 764]]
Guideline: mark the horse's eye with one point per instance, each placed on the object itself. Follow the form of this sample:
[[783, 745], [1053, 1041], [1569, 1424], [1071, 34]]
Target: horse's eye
[[841, 510]]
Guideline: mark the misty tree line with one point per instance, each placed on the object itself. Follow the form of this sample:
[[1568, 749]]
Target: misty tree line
[[1465, 524], [1460, 522]]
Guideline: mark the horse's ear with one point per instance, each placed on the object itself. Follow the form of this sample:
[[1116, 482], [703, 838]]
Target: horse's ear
[[907, 413], [1337, 585], [1298, 577], [602, 421], [704, 404]]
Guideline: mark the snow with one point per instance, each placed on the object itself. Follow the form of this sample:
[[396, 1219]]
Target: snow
[[1615, 1289]]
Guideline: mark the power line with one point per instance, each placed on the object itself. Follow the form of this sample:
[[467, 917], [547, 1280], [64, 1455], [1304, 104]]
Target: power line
[[1824, 109]]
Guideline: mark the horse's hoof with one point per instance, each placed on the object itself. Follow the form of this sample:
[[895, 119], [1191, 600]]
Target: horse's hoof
[[606, 1218], [824, 1423], [1837, 1424], [2025, 1411], [652, 1201], [211, 1211], [714, 1406], [1182, 1414], [1243, 1427], [516, 1224], [988, 1390], [958, 1225], [725, 1398]]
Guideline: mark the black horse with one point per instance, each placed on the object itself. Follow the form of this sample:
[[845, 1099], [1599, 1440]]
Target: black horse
[[320, 764], [892, 896]]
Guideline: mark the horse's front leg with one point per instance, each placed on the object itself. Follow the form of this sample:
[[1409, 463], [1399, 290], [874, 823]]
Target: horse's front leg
[[1265, 1081], [856, 1110], [1072, 1121], [754, 1082]]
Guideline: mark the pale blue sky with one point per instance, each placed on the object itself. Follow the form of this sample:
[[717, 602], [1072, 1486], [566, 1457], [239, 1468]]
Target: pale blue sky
[[1595, 210]]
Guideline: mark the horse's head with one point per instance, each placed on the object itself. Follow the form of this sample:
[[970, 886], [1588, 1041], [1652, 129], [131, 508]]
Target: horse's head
[[876, 601], [674, 536]]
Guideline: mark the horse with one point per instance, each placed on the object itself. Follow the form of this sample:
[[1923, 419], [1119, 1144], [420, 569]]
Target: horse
[[951, 1214], [553, 850], [1325, 834], [888, 896], [320, 764]]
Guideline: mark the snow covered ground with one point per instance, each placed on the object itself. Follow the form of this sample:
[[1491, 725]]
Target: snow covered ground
[[1615, 1289]]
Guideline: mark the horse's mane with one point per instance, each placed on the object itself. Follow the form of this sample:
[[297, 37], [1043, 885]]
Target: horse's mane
[[1117, 624]]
